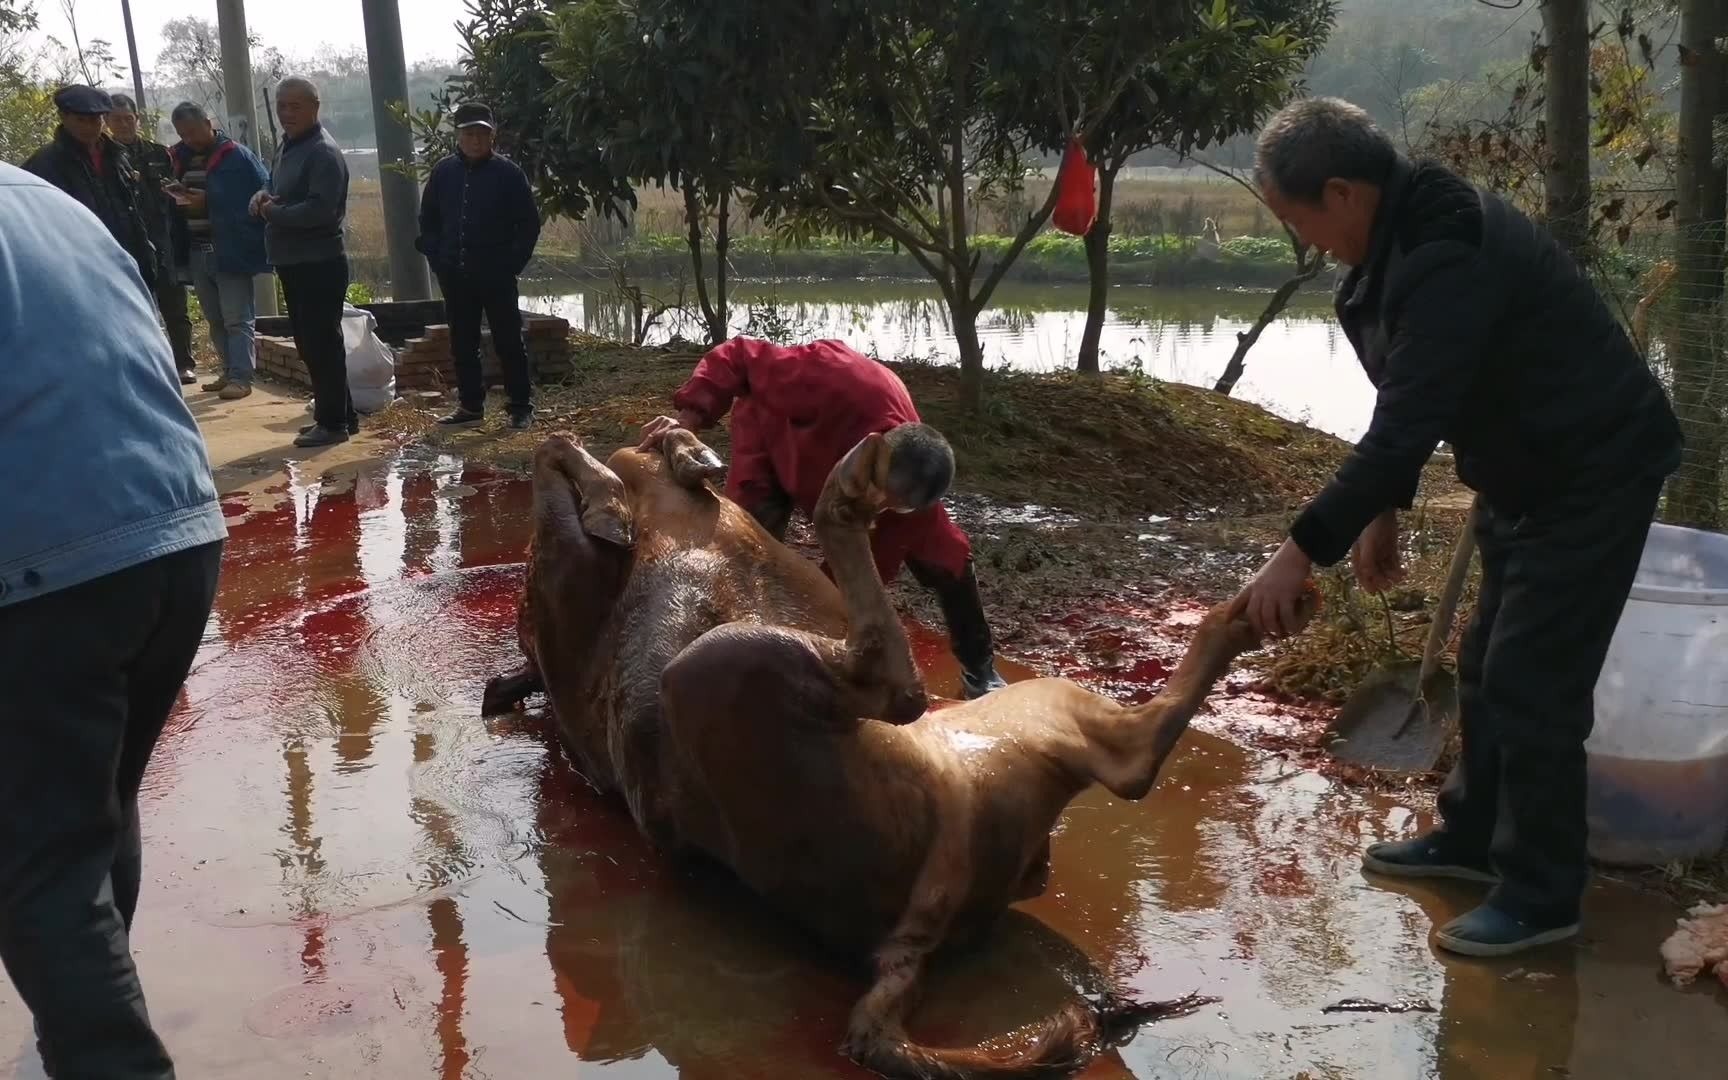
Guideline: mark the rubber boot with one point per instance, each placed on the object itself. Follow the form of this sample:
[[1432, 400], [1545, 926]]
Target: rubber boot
[[774, 513], [968, 630]]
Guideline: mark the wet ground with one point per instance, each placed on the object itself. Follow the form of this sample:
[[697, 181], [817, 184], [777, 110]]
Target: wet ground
[[350, 873]]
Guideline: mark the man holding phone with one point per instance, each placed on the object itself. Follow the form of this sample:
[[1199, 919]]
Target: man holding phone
[[218, 240], [149, 159]]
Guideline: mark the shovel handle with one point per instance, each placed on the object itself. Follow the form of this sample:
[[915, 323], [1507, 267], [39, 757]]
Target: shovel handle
[[1441, 628]]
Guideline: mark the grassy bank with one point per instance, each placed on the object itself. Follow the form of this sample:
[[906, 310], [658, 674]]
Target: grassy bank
[[1243, 262]]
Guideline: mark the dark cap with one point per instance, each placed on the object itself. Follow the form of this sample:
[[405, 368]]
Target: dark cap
[[86, 100], [472, 114]]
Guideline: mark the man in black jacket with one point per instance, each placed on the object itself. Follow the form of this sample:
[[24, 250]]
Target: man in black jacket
[[87, 164], [478, 228], [149, 159], [1476, 328]]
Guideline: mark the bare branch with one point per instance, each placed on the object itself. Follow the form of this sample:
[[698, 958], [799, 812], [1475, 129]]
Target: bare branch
[[1024, 237]]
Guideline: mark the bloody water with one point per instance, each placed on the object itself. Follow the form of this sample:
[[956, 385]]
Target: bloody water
[[349, 873]]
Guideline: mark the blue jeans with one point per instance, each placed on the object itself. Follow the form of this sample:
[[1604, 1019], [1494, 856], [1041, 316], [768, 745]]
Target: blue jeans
[[227, 302]]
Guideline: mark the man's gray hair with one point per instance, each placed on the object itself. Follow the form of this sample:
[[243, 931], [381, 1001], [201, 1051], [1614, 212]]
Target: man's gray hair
[[1311, 141], [302, 84], [188, 110]]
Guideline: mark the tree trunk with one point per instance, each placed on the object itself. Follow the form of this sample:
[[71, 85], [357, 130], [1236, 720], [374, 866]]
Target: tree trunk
[[717, 323], [1098, 270], [1308, 264], [1567, 89], [971, 354], [1696, 345], [693, 219]]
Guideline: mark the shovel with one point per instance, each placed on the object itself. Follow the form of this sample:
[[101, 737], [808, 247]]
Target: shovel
[[1400, 719]]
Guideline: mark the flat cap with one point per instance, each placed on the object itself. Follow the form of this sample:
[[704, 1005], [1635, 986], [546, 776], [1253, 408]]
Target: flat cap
[[473, 114], [86, 100]]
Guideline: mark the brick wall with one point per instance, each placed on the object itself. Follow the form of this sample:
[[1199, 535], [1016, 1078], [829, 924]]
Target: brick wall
[[424, 363]]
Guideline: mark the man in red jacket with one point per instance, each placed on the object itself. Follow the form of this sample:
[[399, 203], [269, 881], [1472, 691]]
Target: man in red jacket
[[796, 411]]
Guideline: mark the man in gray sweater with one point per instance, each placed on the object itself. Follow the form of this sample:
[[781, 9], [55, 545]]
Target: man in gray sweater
[[303, 211]]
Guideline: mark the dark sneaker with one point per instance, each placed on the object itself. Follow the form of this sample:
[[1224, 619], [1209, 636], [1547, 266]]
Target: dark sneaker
[[976, 684], [1423, 858], [1488, 931], [461, 418], [215, 385], [353, 428], [234, 391], [521, 421], [321, 436], [188, 377]]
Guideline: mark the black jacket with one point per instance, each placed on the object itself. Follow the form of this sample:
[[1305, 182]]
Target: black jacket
[[114, 195], [1479, 330], [151, 162], [477, 218]]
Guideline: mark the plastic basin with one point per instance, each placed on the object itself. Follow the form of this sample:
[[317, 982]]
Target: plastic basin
[[1658, 755]]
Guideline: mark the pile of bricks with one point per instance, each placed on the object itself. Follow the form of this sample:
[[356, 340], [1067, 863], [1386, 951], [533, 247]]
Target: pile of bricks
[[423, 362]]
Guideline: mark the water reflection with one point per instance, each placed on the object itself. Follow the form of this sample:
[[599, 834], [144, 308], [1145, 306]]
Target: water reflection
[[1301, 368], [400, 889]]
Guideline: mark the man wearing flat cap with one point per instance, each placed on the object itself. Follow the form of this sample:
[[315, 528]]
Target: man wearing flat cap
[[87, 164], [478, 228]]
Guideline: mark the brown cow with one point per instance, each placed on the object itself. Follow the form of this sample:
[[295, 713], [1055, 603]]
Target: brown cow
[[749, 710]]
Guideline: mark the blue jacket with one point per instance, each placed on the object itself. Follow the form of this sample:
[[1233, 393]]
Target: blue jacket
[[101, 464], [477, 218], [234, 175]]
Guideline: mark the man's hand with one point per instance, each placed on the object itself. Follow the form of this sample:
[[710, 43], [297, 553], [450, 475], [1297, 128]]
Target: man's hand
[[194, 199], [655, 430], [259, 200], [1273, 598], [1375, 554]]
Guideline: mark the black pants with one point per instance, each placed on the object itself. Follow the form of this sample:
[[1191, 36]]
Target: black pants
[[315, 293], [1554, 583], [176, 318], [466, 299], [89, 676], [962, 610]]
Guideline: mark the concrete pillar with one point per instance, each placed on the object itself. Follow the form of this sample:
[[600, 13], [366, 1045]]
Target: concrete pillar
[[388, 71], [240, 115]]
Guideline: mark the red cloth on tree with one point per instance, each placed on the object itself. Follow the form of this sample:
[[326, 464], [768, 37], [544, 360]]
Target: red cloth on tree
[[796, 411], [1077, 193]]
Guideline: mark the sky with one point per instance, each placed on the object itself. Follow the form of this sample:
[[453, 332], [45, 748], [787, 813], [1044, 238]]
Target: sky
[[297, 27]]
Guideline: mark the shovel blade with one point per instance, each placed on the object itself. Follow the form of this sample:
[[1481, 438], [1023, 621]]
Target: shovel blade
[[1392, 725]]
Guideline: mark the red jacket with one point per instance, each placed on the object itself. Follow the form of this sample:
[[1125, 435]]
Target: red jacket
[[798, 410]]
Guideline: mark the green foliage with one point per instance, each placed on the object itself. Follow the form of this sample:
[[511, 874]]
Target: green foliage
[[27, 116]]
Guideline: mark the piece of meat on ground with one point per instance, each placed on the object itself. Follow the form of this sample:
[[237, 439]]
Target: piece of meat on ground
[[1699, 945]]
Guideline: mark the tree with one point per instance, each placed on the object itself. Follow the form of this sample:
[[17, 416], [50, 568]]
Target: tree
[[191, 56], [673, 93], [927, 107], [1567, 83], [1237, 64], [504, 45], [1698, 363]]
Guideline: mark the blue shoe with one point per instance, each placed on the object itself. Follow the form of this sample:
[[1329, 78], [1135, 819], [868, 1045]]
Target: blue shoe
[[1425, 857], [1488, 931]]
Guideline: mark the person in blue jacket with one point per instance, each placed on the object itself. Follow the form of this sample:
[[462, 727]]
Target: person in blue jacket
[[478, 228], [218, 241], [109, 556]]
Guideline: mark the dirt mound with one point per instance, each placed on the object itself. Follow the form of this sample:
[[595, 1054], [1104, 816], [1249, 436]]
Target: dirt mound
[[1103, 447]]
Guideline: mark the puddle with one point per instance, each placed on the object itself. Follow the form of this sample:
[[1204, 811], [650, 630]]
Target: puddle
[[349, 873]]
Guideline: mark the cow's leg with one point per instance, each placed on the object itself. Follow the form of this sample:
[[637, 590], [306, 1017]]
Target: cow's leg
[[583, 530], [692, 461]]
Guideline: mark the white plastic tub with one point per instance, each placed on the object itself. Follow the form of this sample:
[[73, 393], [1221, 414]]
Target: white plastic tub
[[1659, 752]]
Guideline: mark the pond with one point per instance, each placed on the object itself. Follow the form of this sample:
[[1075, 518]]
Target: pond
[[1302, 368]]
